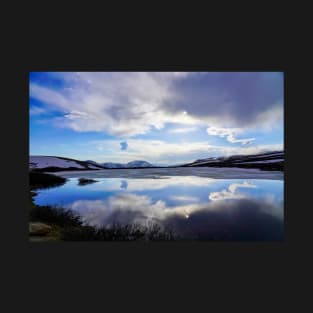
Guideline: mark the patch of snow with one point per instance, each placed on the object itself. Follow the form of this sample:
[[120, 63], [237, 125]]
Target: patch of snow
[[47, 161]]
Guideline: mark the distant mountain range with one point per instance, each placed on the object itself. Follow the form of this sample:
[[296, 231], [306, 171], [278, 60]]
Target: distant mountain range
[[133, 164], [266, 161], [55, 164]]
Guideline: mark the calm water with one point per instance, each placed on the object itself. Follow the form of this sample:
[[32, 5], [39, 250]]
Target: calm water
[[237, 207]]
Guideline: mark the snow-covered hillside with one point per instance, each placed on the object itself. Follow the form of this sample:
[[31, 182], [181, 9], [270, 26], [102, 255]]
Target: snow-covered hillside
[[52, 162], [268, 160]]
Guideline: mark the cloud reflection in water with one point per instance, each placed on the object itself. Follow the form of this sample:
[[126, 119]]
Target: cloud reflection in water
[[241, 219], [194, 207], [231, 192]]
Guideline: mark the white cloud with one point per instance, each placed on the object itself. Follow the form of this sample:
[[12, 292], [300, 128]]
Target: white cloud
[[123, 104], [271, 118], [131, 103], [229, 133], [150, 150], [185, 198], [159, 151], [49, 96]]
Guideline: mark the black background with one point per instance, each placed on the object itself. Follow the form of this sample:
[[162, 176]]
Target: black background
[[165, 277]]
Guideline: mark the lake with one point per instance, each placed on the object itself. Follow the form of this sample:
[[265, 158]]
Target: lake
[[196, 203]]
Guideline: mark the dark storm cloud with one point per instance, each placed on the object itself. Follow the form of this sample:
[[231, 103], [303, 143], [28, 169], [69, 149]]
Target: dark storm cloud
[[236, 97]]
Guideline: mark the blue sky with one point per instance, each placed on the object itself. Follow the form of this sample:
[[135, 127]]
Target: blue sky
[[160, 117]]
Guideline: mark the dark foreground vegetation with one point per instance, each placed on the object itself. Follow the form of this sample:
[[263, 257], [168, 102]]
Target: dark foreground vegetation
[[39, 180], [54, 169], [117, 232], [49, 223], [67, 226]]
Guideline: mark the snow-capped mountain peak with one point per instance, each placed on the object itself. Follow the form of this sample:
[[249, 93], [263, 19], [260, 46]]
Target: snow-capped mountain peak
[[139, 163]]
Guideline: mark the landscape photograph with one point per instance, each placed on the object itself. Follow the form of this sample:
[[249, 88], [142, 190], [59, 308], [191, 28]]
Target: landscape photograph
[[156, 156]]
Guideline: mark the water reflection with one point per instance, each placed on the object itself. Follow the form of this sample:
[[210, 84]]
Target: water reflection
[[231, 193], [242, 219], [198, 208], [138, 184], [124, 184]]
